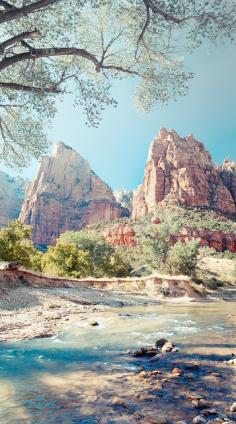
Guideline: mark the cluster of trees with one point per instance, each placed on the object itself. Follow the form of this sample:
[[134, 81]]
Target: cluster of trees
[[86, 253], [76, 254], [160, 253]]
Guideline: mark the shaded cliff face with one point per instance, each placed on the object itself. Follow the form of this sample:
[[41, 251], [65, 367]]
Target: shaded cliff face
[[180, 171], [66, 195], [12, 192]]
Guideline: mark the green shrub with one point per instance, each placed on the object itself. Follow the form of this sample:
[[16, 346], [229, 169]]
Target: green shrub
[[183, 257], [82, 254], [16, 245]]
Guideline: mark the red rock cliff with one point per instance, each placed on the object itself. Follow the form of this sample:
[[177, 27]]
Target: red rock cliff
[[181, 171], [66, 195], [120, 235]]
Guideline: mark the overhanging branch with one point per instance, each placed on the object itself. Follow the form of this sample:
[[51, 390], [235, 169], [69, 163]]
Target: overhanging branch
[[29, 88], [20, 12], [18, 38]]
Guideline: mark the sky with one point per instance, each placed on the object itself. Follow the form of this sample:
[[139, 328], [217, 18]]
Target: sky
[[117, 150]]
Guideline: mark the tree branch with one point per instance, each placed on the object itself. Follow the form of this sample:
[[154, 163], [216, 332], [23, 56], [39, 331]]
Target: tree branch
[[6, 5], [146, 24], [18, 38], [168, 17], [40, 53], [29, 88], [13, 12]]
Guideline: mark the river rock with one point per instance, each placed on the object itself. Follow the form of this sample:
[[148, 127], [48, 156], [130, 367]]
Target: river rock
[[200, 403], [156, 357], [160, 343], [177, 372], [207, 412], [199, 420], [119, 402], [146, 351], [233, 407], [167, 347], [94, 323]]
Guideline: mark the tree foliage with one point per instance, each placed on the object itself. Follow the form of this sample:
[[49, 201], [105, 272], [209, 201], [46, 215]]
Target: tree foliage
[[16, 246], [49, 47], [183, 257], [83, 254]]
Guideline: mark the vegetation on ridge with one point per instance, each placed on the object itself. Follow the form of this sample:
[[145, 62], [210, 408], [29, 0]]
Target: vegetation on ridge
[[86, 253]]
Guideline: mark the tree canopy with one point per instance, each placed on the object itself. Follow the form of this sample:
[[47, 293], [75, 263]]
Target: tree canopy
[[49, 47]]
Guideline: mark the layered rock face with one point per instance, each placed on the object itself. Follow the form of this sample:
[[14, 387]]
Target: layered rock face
[[180, 171], [124, 235], [120, 235], [219, 240], [228, 175], [66, 195], [12, 192]]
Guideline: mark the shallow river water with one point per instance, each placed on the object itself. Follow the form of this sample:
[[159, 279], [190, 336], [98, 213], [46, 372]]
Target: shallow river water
[[76, 376]]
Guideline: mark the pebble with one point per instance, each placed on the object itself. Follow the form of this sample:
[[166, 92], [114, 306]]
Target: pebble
[[94, 323], [232, 362], [233, 407], [167, 347], [208, 412], [199, 420], [156, 357], [160, 342], [200, 403], [119, 402], [177, 372]]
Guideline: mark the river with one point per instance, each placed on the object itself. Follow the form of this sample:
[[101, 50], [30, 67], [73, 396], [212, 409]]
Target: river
[[85, 375]]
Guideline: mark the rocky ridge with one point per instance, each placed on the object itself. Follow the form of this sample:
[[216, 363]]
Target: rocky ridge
[[66, 195], [180, 171]]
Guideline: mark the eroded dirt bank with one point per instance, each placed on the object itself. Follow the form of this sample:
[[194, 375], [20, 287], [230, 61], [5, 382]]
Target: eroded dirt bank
[[33, 305]]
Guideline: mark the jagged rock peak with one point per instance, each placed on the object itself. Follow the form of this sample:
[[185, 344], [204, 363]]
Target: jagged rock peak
[[180, 170], [66, 195]]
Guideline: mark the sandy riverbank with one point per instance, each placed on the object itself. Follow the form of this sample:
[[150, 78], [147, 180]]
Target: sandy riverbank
[[33, 305]]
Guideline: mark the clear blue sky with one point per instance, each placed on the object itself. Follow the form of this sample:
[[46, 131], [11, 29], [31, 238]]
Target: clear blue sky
[[117, 150]]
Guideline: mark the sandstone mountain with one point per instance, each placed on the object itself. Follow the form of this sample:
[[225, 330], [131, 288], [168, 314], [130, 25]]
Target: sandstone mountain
[[11, 197], [180, 171], [66, 195]]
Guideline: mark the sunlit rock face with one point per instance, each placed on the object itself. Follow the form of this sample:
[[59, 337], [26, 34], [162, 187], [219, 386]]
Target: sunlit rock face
[[218, 240], [228, 176], [120, 235], [180, 171], [66, 195], [11, 197]]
